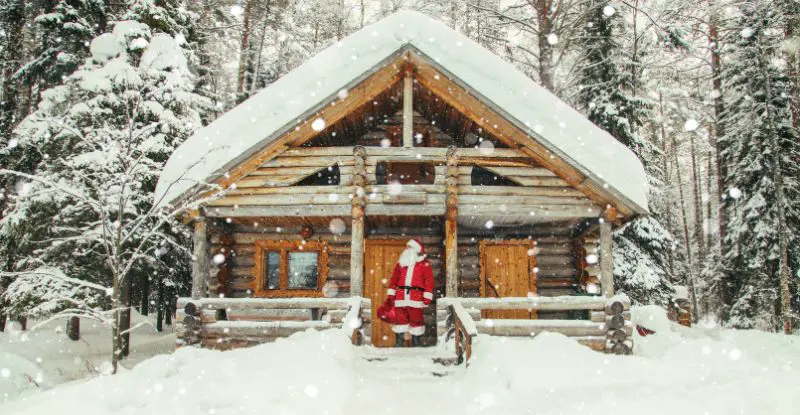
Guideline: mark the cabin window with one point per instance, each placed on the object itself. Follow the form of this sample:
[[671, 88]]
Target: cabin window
[[290, 268], [483, 177], [404, 172], [329, 176]]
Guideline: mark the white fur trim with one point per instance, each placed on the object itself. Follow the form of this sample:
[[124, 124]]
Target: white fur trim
[[428, 295], [414, 244], [418, 331], [391, 291], [409, 303], [400, 328]]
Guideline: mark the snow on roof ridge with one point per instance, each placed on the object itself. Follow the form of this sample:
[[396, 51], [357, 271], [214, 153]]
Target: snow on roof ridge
[[250, 126]]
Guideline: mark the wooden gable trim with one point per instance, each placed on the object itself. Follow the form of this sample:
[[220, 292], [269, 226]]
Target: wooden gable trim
[[331, 112], [500, 127]]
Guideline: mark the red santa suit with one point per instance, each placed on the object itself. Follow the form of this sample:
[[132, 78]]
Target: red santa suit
[[411, 289]]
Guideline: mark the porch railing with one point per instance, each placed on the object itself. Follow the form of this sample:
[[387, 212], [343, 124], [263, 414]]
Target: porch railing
[[608, 327], [226, 323]]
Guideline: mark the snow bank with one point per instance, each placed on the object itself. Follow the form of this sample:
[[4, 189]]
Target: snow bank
[[678, 371], [294, 97], [309, 373], [19, 376]]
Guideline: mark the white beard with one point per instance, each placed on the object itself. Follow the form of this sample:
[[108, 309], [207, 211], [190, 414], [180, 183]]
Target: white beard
[[408, 258]]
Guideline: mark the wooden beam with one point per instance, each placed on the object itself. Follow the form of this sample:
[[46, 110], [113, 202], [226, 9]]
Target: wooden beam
[[451, 225], [606, 259], [408, 107], [200, 264], [358, 203]]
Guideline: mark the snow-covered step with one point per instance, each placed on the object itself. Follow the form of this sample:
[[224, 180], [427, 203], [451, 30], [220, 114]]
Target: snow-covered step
[[405, 363]]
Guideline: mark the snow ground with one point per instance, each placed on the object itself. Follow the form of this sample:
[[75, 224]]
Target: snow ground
[[36, 360], [678, 370]]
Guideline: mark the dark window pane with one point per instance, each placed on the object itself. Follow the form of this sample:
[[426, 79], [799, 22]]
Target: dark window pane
[[272, 269], [303, 270]]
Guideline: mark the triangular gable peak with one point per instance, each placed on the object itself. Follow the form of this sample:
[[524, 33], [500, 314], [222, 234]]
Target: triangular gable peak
[[464, 75]]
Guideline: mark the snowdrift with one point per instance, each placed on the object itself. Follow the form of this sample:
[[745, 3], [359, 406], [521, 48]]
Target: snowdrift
[[677, 370]]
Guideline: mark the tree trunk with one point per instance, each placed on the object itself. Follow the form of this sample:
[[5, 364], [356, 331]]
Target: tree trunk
[[668, 215], [698, 207], [719, 130], [690, 277], [125, 318], [144, 306], [116, 341], [160, 306], [23, 322], [3, 319], [245, 49], [545, 18], [168, 308], [265, 21], [74, 328]]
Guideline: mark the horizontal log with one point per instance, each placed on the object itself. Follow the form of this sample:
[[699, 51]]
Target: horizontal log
[[296, 211], [545, 211], [554, 260], [527, 328], [300, 161], [389, 151], [494, 200], [596, 343], [530, 303], [269, 303], [288, 200], [600, 316], [467, 189]]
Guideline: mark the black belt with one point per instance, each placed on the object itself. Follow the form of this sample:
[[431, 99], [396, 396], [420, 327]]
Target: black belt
[[406, 287]]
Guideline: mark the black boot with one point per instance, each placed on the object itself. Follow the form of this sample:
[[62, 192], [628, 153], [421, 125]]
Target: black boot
[[416, 341], [399, 340]]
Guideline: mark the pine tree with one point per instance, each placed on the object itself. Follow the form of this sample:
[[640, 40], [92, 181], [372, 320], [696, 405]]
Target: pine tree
[[641, 246], [760, 150], [104, 135]]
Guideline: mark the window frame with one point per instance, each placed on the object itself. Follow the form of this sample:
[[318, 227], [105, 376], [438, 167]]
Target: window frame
[[284, 248]]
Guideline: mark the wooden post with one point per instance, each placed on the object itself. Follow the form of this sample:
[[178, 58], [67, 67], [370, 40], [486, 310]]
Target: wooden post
[[200, 264], [408, 108], [451, 225], [606, 259], [358, 203]]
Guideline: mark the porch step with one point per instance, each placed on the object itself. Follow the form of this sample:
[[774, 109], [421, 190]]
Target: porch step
[[405, 363]]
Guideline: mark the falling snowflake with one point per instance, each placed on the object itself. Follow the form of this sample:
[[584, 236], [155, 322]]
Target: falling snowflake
[[337, 226], [489, 224], [691, 125], [395, 188], [311, 391], [5, 373], [735, 192], [12, 144], [609, 11], [591, 259], [333, 197], [386, 143], [746, 32], [318, 125], [219, 259], [486, 148], [592, 288], [343, 93], [735, 354], [552, 39], [237, 10]]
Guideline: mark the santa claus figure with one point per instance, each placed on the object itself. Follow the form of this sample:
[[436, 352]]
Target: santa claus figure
[[410, 291]]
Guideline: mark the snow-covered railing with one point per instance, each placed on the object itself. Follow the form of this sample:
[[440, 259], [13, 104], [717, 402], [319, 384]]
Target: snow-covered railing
[[607, 328], [354, 320], [464, 331], [225, 323]]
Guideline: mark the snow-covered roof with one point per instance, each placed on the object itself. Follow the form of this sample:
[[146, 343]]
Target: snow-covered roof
[[252, 125]]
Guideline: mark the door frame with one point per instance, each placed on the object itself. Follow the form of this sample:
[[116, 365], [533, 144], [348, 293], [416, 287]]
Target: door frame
[[532, 276]]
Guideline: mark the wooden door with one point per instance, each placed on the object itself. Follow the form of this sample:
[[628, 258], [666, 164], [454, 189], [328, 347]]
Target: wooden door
[[380, 257], [507, 270]]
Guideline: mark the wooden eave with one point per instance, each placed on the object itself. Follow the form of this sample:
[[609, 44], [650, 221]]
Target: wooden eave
[[455, 93]]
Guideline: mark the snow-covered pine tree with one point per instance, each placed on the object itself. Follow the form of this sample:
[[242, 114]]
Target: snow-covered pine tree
[[640, 253], [762, 183], [104, 135]]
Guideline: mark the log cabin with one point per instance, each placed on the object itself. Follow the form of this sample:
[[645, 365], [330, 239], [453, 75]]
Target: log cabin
[[303, 196]]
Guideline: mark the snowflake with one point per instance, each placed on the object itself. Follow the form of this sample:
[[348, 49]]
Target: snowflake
[[552, 39], [237, 10], [318, 125], [691, 125], [337, 226], [735, 192], [219, 259], [746, 32], [609, 11]]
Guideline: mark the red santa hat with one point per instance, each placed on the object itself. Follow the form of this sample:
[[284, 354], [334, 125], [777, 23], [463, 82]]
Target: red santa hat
[[416, 245]]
